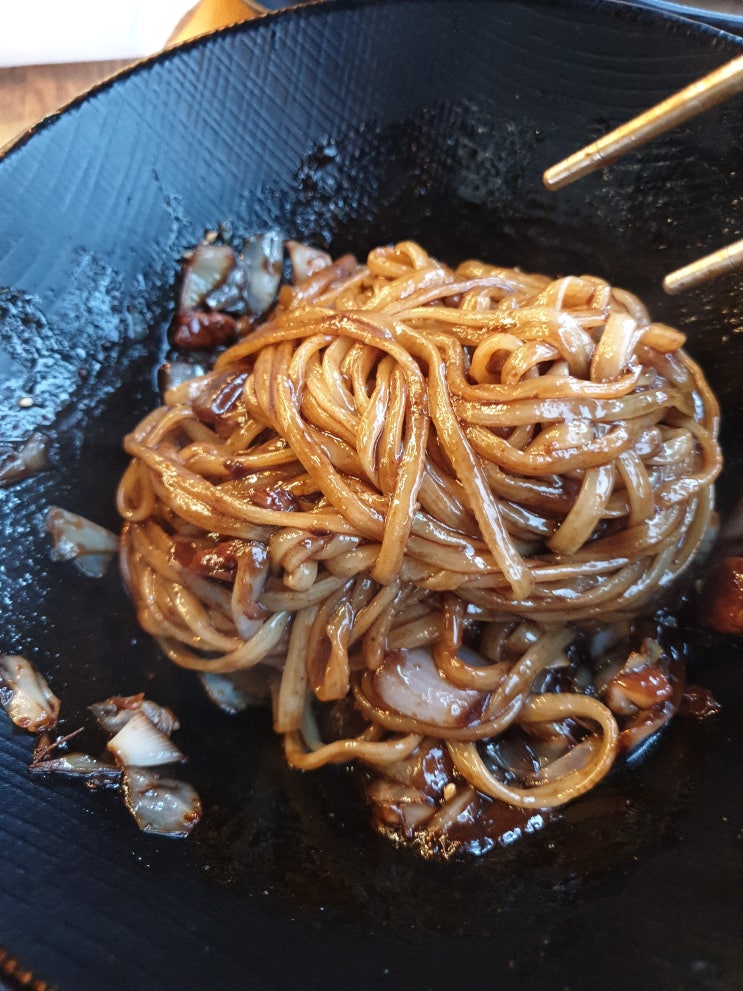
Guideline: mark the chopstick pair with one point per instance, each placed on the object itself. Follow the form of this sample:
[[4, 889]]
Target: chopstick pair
[[706, 92]]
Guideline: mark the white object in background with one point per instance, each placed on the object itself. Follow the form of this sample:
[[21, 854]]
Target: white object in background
[[40, 32]]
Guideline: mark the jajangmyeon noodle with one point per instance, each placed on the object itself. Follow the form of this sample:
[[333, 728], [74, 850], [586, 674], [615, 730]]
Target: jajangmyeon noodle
[[438, 500]]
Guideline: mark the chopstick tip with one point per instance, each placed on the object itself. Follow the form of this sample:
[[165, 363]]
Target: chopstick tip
[[722, 262], [552, 179], [671, 285]]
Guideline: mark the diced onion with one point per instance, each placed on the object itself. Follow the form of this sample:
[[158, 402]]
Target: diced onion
[[262, 261], [207, 268], [235, 692], [77, 539], [305, 260], [140, 743], [96, 773], [115, 712], [164, 806], [409, 682], [32, 456], [25, 695]]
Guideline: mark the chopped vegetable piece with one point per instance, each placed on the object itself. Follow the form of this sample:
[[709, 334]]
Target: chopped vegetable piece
[[77, 539], [164, 806], [140, 743], [115, 712], [25, 695]]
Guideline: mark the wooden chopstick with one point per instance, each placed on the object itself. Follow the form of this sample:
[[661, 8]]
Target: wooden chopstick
[[720, 262], [706, 92]]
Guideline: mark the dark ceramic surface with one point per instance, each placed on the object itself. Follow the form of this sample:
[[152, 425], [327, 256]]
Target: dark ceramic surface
[[348, 125]]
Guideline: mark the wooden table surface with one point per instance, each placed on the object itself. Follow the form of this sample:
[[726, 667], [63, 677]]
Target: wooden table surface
[[29, 93]]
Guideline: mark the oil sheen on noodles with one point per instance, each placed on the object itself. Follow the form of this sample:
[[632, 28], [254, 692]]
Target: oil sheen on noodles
[[435, 502]]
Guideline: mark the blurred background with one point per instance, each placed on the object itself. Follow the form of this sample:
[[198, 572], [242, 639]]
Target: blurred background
[[50, 52]]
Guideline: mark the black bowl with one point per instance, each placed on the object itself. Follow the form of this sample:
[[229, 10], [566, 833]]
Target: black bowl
[[348, 125], [721, 13]]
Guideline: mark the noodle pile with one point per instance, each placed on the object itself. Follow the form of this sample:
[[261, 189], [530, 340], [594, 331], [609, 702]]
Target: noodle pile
[[443, 494]]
